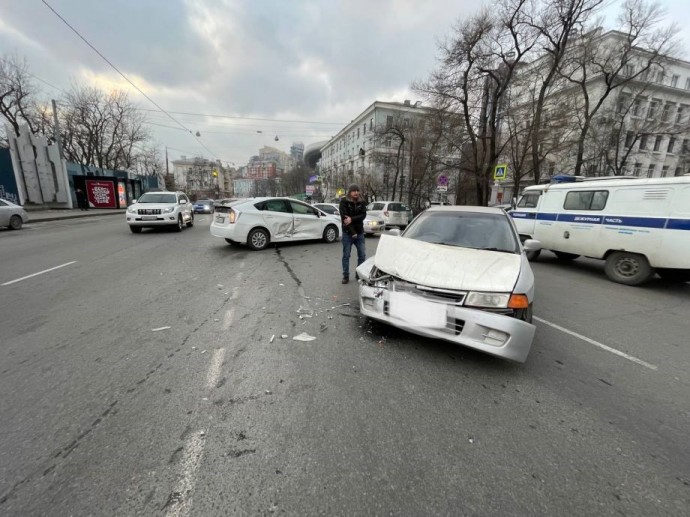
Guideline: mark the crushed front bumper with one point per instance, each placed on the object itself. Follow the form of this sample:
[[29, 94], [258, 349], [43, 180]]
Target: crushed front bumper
[[493, 333]]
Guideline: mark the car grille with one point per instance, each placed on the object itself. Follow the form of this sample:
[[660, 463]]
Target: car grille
[[454, 325], [430, 293], [149, 211]]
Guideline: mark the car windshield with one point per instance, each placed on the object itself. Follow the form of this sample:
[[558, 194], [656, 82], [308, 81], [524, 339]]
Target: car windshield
[[157, 197], [465, 230], [204, 202]]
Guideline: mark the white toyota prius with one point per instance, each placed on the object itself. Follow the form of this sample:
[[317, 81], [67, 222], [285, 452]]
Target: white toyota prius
[[457, 273], [258, 222]]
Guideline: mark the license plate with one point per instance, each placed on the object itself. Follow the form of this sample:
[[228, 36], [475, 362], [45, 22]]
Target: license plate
[[417, 312], [149, 218]]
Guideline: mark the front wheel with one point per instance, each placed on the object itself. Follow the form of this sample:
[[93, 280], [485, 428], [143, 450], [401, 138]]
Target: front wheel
[[16, 222], [180, 223], [562, 255], [258, 239], [628, 268], [675, 275], [330, 234]]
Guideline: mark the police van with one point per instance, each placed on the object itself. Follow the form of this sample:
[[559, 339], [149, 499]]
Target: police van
[[639, 226]]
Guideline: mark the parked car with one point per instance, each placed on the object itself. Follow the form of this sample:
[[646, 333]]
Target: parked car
[[393, 213], [203, 206], [258, 222], [410, 214], [329, 208], [457, 273], [373, 225], [11, 215], [153, 209]]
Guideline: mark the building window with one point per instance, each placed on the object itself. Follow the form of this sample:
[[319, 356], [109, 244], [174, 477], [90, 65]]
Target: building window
[[650, 170], [664, 171], [371, 123], [389, 121], [660, 76], [674, 80], [364, 129], [671, 143], [687, 83], [388, 142], [638, 169], [679, 171], [679, 115], [357, 132], [636, 108], [685, 148], [623, 101], [653, 107], [657, 143], [628, 71], [666, 114], [643, 142], [629, 139]]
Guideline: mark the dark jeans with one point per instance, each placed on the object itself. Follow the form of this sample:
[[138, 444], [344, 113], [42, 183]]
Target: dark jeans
[[348, 241]]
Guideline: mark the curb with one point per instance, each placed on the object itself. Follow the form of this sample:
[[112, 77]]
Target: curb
[[42, 219]]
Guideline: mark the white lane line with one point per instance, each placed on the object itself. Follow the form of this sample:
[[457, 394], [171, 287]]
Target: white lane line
[[597, 344], [181, 498], [214, 369], [235, 293], [39, 273], [227, 319]]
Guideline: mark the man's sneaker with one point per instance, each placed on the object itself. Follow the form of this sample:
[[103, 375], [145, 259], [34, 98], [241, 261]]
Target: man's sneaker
[[346, 280]]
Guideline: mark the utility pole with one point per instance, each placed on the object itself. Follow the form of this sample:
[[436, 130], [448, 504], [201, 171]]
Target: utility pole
[[58, 138]]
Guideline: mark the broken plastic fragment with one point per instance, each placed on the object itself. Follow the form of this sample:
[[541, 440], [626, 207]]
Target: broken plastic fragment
[[283, 336], [272, 338], [159, 328], [303, 337], [203, 351]]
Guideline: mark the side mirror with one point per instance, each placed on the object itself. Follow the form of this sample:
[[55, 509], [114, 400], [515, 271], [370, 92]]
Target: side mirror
[[395, 231], [531, 245]]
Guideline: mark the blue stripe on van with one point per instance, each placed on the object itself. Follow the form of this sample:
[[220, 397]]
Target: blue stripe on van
[[580, 218], [523, 215], [610, 220], [678, 224], [639, 222]]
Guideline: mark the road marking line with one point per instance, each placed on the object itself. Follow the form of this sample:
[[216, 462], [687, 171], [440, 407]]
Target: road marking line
[[597, 344], [214, 369], [181, 498], [227, 319], [235, 293], [39, 273]]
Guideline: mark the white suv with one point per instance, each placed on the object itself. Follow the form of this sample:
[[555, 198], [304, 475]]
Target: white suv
[[393, 213], [154, 209]]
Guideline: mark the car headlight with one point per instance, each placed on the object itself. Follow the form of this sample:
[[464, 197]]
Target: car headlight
[[489, 300], [131, 209], [168, 210]]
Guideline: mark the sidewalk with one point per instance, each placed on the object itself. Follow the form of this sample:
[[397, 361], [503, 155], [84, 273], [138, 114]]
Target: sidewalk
[[39, 216]]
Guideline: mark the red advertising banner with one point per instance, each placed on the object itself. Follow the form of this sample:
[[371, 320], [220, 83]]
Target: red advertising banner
[[101, 194]]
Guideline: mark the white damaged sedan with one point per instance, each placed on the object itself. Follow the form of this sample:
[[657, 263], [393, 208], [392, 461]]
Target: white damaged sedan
[[457, 273]]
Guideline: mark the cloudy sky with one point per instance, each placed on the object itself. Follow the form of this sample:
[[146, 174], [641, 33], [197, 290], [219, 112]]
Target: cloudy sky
[[308, 66]]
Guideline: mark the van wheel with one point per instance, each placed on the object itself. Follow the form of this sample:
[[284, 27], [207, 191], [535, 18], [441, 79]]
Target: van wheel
[[675, 275], [565, 256], [628, 268], [330, 234], [258, 239], [533, 255]]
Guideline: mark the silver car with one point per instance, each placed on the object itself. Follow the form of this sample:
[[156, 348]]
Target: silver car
[[11, 215], [457, 273]]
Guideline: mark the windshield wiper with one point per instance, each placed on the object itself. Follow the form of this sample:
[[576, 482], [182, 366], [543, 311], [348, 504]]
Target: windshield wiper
[[495, 249]]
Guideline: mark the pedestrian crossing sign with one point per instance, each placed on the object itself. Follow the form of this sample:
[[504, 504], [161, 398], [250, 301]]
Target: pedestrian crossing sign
[[501, 172]]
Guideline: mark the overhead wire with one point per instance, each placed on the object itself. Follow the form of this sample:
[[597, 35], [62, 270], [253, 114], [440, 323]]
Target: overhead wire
[[160, 109]]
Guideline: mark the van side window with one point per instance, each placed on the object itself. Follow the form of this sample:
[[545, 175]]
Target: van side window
[[586, 200], [529, 200]]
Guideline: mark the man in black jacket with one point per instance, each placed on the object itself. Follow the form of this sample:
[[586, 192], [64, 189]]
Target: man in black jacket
[[352, 213]]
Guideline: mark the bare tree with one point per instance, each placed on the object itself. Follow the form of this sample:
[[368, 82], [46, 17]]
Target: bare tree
[[19, 103], [598, 70], [477, 66]]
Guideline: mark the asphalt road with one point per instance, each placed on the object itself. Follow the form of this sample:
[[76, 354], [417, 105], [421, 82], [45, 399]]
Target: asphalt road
[[102, 415]]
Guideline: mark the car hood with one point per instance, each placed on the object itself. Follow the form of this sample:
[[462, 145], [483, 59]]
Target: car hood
[[447, 267], [152, 205]]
